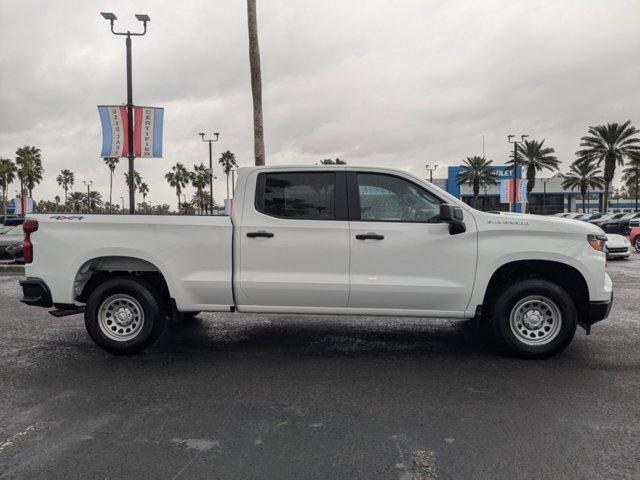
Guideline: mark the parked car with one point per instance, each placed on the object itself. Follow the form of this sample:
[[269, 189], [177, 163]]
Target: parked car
[[634, 222], [590, 216], [620, 225], [617, 246], [331, 240], [8, 239], [10, 222], [605, 218], [634, 238]]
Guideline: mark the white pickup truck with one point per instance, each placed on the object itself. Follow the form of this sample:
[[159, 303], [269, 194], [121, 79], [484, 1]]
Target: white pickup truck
[[323, 240]]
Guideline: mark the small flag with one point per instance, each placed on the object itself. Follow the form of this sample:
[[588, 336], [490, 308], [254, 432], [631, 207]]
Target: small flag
[[506, 191], [147, 131]]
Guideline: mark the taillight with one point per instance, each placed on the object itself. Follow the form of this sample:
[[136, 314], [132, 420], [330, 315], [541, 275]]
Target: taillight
[[29, 226]]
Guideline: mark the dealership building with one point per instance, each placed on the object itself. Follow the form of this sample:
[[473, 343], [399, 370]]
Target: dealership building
[[547, 196]]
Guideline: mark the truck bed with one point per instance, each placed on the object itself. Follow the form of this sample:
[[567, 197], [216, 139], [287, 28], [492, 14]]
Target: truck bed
[[193, 253]]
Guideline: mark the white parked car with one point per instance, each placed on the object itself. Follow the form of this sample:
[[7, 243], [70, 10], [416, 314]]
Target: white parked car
[[333, 240], [617, 246]]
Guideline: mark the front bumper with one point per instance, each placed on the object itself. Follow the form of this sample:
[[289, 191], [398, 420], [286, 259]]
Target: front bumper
[[597, 311], [36, 292]]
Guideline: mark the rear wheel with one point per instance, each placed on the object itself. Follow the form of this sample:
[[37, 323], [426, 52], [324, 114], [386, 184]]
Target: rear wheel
[[124, 315], [535, 318]]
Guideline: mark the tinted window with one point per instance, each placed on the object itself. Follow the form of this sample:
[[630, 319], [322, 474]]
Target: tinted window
[[393, 199], [305, 196]]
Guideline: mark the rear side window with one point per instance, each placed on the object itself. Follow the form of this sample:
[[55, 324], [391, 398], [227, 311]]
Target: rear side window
[[298, 195]]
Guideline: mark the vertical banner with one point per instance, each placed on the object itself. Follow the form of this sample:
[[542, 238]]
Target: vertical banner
[[506, 191], [114, 130], [147, 131]]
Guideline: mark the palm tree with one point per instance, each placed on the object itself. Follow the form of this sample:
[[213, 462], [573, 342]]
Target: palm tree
[[65, 180], [111, 163], [228, 162], [8, 171], [178, 178], [534, 157], [477, 171], [137, 180], [582, 176], [144, 191], [199, 179], [609, 144], [93, 200], [76, 200], [30, 169], [57, 200], [631, 176], [256, 83]]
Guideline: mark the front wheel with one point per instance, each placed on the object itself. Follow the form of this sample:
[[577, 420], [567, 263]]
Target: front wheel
[[535, 318], [124, 315], [636, 244]]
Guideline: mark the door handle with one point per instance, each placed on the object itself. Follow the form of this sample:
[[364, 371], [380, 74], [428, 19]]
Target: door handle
[[369, 236], [260, 233]]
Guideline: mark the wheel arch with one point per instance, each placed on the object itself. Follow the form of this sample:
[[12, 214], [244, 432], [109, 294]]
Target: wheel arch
[[96, 270], [562, 274]]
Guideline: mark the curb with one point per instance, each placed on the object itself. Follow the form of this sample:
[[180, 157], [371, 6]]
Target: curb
[[12, 268]]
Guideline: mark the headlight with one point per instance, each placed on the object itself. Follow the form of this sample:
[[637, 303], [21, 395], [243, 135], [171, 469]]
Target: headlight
[[596, 241]]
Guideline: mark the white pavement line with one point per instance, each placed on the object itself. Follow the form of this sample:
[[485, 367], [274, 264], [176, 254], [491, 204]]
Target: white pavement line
[[11, 441], [402, 465]]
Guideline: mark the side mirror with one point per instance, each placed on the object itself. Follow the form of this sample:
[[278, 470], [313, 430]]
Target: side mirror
[[453, 215]]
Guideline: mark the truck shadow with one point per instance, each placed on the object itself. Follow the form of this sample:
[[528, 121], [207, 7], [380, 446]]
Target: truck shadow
[[325, 336]]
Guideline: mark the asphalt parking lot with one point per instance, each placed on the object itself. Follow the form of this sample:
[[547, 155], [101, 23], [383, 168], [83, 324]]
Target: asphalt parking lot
[[243, 396]]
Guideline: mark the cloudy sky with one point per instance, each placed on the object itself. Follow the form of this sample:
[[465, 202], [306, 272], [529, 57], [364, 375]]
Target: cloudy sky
[[394, 83]]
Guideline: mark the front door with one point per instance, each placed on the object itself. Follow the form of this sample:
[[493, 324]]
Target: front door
[[402, 256], [294, 241]]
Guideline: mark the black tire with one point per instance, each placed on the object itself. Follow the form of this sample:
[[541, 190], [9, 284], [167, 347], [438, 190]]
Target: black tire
[[636, 244], [146, 298], [512, 295]]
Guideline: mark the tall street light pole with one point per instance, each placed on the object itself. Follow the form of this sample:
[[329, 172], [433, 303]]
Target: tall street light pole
[[515, 165], [544, 195], [131, 154], [210, 141], [430, 169], [88, 184]]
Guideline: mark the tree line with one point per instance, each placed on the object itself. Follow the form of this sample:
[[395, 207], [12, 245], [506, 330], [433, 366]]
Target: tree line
[[28, 170], [604, 148]]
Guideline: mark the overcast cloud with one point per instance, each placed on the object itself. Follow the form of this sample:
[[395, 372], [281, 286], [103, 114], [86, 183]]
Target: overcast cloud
[[394, 83]]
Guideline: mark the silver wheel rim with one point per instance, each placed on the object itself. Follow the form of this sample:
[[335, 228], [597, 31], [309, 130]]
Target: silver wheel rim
[[535, 320], [120, 317]]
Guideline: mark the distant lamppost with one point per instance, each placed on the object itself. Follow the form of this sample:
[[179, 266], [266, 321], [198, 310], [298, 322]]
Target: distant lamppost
[[88, 183], [122, 198], [544, 195], [430, 169], [144, 19], [213, 177], [210, 141], [515, 165]]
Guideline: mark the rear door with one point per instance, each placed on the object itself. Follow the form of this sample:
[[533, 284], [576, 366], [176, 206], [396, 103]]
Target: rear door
[[402, 256], [294, 240]]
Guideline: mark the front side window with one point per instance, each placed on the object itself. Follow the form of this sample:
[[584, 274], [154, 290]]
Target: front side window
[[303, 195], [392, 199]]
